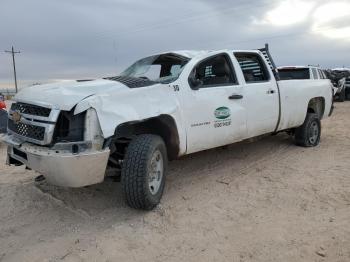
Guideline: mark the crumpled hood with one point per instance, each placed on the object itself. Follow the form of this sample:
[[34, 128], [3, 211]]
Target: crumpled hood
[[66, 95], [114, 102]]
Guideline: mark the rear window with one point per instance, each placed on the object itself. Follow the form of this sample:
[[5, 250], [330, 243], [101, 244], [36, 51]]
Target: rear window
[[294, 73], [253, 68]]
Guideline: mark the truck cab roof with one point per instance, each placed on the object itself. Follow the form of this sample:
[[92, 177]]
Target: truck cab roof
[[199, 53], [297, 67]]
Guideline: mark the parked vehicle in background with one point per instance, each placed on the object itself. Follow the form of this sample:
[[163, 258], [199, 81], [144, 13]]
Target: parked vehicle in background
[[3, 121], [300, 73], [303, 73], [341, 90], [162, 107], [2, 102], [345, 73], [340, 79], [347, 88], [3, 114]]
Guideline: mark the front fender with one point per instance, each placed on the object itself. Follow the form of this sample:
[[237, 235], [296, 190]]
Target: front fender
[[134, 105]]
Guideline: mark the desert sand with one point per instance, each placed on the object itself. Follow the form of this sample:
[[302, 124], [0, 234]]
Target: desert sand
[[267, 200]]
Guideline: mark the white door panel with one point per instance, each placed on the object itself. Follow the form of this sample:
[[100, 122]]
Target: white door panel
[[260, 94], [262, 105], [214, 119]]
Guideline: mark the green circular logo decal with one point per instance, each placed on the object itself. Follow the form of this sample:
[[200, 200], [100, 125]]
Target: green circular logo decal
[[222, 112]]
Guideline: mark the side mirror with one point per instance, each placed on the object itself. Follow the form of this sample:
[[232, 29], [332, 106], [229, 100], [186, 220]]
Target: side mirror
[[194, 82]]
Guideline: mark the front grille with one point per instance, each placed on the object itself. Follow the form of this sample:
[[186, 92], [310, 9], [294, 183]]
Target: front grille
[[31, 109], [25, 130]]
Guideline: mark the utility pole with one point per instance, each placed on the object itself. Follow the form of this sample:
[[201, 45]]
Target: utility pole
[[14, 64]]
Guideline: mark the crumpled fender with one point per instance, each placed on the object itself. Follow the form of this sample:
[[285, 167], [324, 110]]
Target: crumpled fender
[[129, 105]]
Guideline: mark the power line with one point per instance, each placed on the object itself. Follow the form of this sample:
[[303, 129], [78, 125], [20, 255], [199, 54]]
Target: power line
[[12, 52]]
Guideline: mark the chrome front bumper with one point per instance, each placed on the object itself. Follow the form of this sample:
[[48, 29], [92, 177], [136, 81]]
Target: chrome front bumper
[[59, 167]]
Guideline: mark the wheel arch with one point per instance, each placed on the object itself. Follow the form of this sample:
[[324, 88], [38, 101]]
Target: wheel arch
[[163, 125], [317, 105]]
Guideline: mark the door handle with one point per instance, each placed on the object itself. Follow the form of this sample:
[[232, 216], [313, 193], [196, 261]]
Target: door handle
[[235, 96], [270, 91]]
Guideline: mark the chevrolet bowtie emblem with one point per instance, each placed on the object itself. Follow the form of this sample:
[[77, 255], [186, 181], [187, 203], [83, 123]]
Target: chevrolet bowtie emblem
[[16, 117]]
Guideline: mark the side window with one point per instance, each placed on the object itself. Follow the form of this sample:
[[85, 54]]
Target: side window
[[213, 71], [314, 72], [253, 67]]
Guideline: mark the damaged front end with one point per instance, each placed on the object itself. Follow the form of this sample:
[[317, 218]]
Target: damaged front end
[[66, 148]]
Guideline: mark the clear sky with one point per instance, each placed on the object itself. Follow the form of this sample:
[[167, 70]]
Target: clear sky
[[88, 38]]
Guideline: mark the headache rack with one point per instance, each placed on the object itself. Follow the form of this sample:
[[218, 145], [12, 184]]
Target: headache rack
[[266, 52]]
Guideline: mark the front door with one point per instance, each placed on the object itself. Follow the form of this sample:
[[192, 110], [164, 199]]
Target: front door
[[214, 107]]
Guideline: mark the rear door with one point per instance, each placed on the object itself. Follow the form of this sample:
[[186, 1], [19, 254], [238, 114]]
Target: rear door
[[261, 98]]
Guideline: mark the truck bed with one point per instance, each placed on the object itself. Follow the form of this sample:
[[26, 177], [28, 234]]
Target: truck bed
[[295, 96]]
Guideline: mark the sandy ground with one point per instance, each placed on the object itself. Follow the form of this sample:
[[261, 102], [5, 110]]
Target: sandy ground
[[262, 201]]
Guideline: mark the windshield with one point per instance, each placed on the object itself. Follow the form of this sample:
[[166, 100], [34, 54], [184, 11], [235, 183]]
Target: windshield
[[164, 68], [294, 73]]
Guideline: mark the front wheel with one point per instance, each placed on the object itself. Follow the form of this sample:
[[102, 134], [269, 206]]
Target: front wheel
[[309, 134], [143, 171]]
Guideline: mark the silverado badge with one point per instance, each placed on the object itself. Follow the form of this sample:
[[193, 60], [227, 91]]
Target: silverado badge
[[16, 117]]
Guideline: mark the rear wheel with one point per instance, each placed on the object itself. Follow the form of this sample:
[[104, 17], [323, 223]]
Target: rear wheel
[[143, 171], [309, 133]]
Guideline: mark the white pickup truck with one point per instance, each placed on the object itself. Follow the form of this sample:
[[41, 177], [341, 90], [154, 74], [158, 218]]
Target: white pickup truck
[[160, 108]]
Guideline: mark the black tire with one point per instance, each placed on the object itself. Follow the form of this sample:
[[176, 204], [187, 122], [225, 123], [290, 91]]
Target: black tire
[[305, 135], [137, 167], [342, 95]]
